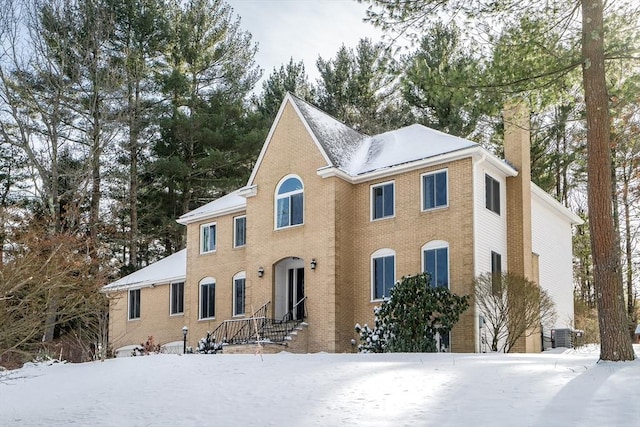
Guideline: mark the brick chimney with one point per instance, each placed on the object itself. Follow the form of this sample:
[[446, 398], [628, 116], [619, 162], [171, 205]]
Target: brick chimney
[[520, 257], [517, 151]]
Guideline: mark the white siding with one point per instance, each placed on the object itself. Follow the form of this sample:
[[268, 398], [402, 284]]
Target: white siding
[[490, 228], [551, 235]]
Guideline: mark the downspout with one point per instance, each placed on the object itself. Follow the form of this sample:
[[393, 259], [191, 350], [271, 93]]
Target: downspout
[[476, 312]]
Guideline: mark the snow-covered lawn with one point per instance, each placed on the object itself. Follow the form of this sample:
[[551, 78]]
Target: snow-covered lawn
[[549, 389]]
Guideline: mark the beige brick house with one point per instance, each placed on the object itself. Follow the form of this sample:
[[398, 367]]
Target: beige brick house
[[330, 219]]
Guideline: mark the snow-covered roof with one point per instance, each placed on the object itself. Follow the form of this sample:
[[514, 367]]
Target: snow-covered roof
[[407, 144], [170, 269], [232, 202], [338, 140]]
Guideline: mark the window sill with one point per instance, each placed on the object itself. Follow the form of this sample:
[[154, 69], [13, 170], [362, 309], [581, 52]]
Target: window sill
[[288, 227], [382, 218], [208, 252], [206, 319], [177, 314], [437, 208]]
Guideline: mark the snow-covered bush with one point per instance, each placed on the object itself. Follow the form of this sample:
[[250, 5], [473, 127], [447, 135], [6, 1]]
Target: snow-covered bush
[[208, 345], [412, 317]]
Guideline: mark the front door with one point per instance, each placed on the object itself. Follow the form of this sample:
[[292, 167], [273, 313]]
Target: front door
[[295, 292]]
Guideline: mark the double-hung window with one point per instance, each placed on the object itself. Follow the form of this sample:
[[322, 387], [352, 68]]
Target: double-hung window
[[239, 231], [492, 194], [289, 203], [207, 238], [207, 298], [434, 190], [436, 263], [134, 304], [177, 298], [383, 266], [239, 292], [382, 200]]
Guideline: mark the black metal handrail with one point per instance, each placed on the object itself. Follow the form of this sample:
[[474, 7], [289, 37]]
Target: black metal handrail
[[299, 309], [259, 327]]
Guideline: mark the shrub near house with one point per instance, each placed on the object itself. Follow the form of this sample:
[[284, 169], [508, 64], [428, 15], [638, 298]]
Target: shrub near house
[[417, 317]]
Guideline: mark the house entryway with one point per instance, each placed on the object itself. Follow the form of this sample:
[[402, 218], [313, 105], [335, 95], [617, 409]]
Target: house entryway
[[289, 289]]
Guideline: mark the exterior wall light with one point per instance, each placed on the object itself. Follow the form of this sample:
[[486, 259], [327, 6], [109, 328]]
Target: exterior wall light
[[260, 271], [185, 331], [314, 263]]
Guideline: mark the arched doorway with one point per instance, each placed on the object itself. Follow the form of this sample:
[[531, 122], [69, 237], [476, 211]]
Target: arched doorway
[[289, 289]]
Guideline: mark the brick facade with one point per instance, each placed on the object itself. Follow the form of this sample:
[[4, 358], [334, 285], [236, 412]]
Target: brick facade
[[337, 232]]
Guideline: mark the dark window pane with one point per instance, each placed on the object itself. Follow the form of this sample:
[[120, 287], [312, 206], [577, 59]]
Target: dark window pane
[[378, 271], [441, 189], [430, 266], [388, 200], [239, 285], [442, 267], [429, 197], [378, 202], [296, 209], [389, 270], [496, 197], [241, 231]]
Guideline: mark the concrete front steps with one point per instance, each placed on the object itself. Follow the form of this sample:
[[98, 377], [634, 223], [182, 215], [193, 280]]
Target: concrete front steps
[[296, 342]]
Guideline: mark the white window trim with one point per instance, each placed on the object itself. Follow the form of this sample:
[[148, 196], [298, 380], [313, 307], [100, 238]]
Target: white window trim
[[202, 227], [205, 281], [437, 244], [129, 318], [381, 253], [446, 205], [181, 313], [235, 218], [372, 204], [287, 195], [241, 275]]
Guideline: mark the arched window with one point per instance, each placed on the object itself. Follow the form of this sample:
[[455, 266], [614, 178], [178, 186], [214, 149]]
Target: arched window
[[289, 202], [207, 298], [239, 293], [435, 261], [383, 273]]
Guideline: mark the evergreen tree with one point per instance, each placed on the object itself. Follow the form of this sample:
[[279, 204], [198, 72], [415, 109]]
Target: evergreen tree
[[413, 316], [359, 88], [290, 78]]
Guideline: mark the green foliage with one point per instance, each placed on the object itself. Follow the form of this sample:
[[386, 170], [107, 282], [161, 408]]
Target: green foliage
[[357, 88], [441, 81], [290, 78], [412, 317]]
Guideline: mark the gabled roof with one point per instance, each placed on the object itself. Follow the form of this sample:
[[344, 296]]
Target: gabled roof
[[230, 203], [338, 140], [400, 146], [170, 269], [354, 153]]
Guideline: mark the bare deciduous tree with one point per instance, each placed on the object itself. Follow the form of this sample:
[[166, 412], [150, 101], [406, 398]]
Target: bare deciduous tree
[[512, 307]]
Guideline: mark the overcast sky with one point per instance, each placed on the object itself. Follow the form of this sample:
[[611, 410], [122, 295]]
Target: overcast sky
[[302, 29]]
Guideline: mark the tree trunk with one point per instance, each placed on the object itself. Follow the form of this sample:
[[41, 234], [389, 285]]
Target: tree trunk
[[615, 343]]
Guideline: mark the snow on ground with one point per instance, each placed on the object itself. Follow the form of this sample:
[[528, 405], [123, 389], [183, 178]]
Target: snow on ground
[[548, 389]]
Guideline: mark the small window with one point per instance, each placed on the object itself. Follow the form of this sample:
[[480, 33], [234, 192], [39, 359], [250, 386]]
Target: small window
[[496, 271], [434, 190], [240, 231], [492, 192], [383, 273], [436, 263], [177, 298], [207, 299], [239, 288], [207, 238], [382, 200], [289, 203], [134, 304]]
